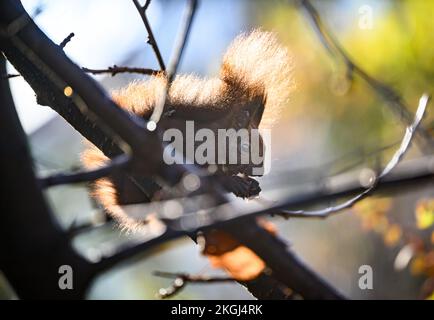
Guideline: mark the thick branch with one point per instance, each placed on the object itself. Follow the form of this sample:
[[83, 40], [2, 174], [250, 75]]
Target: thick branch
[[33, 246], [27, 47]]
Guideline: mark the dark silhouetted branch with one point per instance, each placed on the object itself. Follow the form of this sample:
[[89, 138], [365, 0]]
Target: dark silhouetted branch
[[174, 61], [32, 244], [118, 163], [81, 101], [371, 180], [62, 45], [263, 287], [151, 39], [138, 250], [407, 174], [66, 40], [10, 76], [183, 279], [114, 70]]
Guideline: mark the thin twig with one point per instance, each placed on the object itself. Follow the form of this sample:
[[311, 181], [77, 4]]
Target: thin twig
[[66, 40], [114, 70], [389, 95], [137, 250], [151, 38], [146, 5], [183, 279], [174, 61], [305, 174], [10, 76], [405, 144], [118, 163]]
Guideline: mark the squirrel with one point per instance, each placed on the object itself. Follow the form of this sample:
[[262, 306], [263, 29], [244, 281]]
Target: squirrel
[[254, 84]]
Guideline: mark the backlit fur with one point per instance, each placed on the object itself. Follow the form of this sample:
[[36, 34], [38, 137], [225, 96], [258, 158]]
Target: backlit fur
[[254, 66]]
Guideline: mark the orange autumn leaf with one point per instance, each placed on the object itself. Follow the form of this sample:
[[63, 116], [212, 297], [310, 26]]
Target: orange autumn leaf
[[225, 252], [241, 263]]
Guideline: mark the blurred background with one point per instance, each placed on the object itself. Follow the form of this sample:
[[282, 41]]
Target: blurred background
[[331, 125]]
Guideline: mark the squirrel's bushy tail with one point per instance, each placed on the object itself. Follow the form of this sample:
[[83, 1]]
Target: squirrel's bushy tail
[[254, 64]]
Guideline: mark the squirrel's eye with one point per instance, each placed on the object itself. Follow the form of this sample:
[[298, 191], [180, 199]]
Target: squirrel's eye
[[245, 147]]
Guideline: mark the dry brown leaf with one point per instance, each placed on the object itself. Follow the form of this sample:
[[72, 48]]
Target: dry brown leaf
[[226, 252]]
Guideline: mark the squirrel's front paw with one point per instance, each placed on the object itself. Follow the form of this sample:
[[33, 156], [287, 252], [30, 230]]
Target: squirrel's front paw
[[243, 187]]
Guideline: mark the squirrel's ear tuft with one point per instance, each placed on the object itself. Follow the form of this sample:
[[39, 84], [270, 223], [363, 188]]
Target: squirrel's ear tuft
[[260, 112], [257, 110], [250, 114], [256, 64]]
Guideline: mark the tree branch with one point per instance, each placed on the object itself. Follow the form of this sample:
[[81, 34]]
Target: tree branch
[[151, 38], [183, 279], [32, 244], [174, 61], [50, 73], [66, 40], [371, 180], [118, 163], [138, 250], [390, 96], [10, 76], [114, 70]]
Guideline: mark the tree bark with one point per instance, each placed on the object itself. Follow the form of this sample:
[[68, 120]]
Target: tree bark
[[32, 245]]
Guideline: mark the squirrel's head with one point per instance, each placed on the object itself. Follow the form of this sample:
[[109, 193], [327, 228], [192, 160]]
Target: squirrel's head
[[249, 145]]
